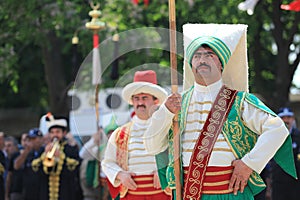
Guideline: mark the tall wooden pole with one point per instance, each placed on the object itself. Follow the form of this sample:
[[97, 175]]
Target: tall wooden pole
[[174, 88], [96, 25], [95, 45]]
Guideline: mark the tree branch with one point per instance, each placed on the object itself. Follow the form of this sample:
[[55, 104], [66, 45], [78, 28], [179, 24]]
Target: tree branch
[[294, 29], [278, 28], [295, 65]]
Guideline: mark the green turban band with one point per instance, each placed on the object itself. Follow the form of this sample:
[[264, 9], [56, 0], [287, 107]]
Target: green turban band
[[219, 47]]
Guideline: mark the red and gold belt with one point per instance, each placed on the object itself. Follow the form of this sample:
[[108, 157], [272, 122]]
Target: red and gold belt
[[144, 186], [216, 180]]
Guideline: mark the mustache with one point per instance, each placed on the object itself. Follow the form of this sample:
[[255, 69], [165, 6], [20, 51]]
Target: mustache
[[142, 106], [203, 65]]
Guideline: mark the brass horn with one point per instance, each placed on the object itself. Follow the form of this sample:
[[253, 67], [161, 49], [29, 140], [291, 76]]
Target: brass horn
[[49, 160]]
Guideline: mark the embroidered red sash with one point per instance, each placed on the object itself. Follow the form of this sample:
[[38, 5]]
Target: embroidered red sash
[[205, 142], [122, 158]]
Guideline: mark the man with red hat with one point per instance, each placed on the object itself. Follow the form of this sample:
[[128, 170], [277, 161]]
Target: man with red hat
[[131, 171]]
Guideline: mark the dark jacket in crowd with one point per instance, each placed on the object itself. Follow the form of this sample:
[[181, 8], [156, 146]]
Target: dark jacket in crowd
[[284, 186]]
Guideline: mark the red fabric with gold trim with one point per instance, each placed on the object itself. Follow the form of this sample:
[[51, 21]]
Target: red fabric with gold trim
[[144, 185], [122, 157], [146, 190], [114, 191], [216, 180], [122, 146]]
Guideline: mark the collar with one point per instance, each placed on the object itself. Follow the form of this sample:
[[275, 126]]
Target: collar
[[139, 121], [215, 87]]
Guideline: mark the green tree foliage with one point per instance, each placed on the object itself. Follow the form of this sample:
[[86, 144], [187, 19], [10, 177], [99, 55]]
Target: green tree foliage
[[37, 57]]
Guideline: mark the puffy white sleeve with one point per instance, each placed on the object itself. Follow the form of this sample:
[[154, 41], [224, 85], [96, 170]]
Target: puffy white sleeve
[[109, 163], [156, 135], [89, 150], [272, 134]]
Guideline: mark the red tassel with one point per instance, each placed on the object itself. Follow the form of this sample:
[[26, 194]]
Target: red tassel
[[95, 40], [136, 2], [294, 6], [146, 2]]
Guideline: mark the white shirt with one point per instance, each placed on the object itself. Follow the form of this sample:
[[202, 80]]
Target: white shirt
[[140, 161], [271, 129]]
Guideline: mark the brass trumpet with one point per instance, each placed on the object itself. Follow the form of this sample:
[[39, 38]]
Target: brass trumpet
[[49, 160]]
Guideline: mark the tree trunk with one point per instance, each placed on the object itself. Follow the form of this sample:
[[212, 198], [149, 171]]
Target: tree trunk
[[55, 77], [282, 80], [282, 77]]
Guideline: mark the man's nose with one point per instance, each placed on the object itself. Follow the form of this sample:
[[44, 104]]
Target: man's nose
[[140, 101]]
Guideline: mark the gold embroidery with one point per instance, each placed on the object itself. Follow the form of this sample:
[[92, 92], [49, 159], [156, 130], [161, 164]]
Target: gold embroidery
[[142, 163], [1, 169], [136, 149], [136, 142], [54, 174], [35, 164], [192, 131], [217, 192], [171, 179], [241, 143], [219, 173], [187, 150], [140, 156], [189, 141], [198, 111], [221, 140], [222, 149], [198, 162], [214, 173], [216, 183], [53, 187], [71, 163], [194, 121], [257, 180], [232, 149], [122, 145], [168, 191], [144, 192], [143, 178], [145, 185], [200, 103], [138, 130]]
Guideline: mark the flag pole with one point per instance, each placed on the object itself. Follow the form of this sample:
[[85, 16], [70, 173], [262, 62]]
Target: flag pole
[[96, 25], [174, 88], [95, 45]]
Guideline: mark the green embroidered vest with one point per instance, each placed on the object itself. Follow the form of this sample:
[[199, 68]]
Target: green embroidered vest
[[239, 137]]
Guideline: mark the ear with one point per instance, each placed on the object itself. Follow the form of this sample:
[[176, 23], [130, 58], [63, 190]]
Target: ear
[[65, 132], [156, 101], [220, 67]]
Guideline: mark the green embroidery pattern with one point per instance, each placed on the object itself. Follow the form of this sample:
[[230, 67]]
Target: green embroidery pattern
[[240, 138]]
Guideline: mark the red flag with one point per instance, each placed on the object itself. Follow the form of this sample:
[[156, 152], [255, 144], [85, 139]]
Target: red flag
[[136, 2], [294, 6]]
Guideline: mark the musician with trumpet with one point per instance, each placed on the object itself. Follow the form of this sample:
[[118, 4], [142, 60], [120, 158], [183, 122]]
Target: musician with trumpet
[[59, 164]]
